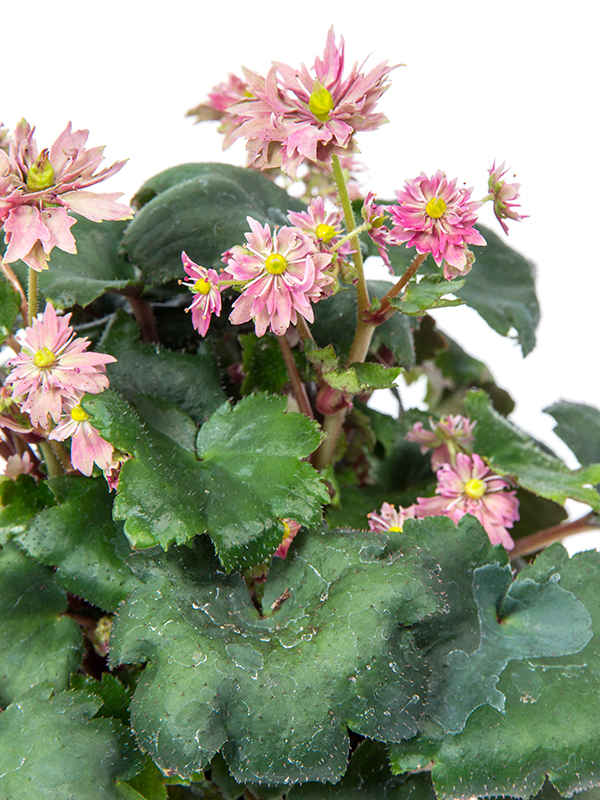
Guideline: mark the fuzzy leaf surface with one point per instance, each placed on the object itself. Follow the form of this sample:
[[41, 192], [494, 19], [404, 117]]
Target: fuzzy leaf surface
[[277, 692], [361, 378], [80, 538], [203, 215], [189, 381], [52, 749], [429, 293], [9, 308], [579, 428], [511, 452], [21, 500], [37, 643], [550, 725], [82, 277], [236, 480]]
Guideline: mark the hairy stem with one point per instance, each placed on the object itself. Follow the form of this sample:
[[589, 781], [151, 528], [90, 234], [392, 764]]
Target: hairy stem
[[537, 541], [32, 295], [298, 386], [52, 462]]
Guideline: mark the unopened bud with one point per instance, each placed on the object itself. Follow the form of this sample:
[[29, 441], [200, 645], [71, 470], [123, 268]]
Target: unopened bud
[[320, 102], [41, 174]]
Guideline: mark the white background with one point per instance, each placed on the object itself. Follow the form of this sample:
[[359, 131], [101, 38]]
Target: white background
[[515, 81]]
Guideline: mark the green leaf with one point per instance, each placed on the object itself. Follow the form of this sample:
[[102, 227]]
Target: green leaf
[[51, 748], [368, 778], [203, 215], [191, 382], [511, 452], [115, 696], [551, 720], [276, 692], [427, 294], [501, 288], [9, 308], [264, 367], [579, 428], [80, 539], [37, 643], [97, 267], [245, 476], [361, 378], [21, 500]]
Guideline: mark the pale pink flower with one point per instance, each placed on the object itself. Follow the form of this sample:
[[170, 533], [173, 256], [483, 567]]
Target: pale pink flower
[[284, 274], [389, 518], [18, 465], [5, 138], [204, 284], [112, 472], [324, 227], [87, 446], [219, 99], [379, 231], [435, 216], [53, 367], [38, 188], [291, 528], [503, 194], [471, 487], [297, 114], [446, 436]]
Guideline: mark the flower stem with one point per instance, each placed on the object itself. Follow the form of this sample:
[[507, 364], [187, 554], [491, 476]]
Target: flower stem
[[384, 308], [537, 541], [145, 319], [32, 298], [366, 226], [53, 464], [298, 386]]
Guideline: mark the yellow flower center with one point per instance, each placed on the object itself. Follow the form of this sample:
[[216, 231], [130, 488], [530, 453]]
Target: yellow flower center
[[320, 102], [435, 207], [41, 175], [276, 264], [325, 232], [286, 529], [475, 488], [78, 414], [201, 286], [44, 357], [395, 528]]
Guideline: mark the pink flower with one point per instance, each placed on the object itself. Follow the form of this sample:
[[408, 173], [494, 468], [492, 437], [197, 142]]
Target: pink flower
[[219, 99], [53, 368], [204, 285], [38, 188], [291, 528], [18, 465], [294, 114], [471, 487], [324, 228], [445, 437], [284, 274], [388, 519], [379, 232], [503, 194], [436, 217], [87, 446]]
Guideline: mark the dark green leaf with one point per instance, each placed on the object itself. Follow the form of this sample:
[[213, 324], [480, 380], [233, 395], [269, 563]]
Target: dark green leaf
[[511, 452], [80, 538], [115, 696], [246, 475], [579, 428], [264, 367], [501, 288], [21, 500], [368, 778], [52, 749], [427, 294], [191, 382], [9, 308], [96, 267], [203, 215], [37, 643], [551, 721], [276, 692]]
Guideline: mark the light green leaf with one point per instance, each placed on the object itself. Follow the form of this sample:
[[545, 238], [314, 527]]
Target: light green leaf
[[361, 378], [429, 293]]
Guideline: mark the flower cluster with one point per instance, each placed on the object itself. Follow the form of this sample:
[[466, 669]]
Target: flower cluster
[[48, 380], [466, 485], [292, 115], [37, 189]]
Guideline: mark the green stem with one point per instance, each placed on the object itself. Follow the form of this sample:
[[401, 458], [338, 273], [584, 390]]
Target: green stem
[[366, 226], [32, 298], [53, 465]]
